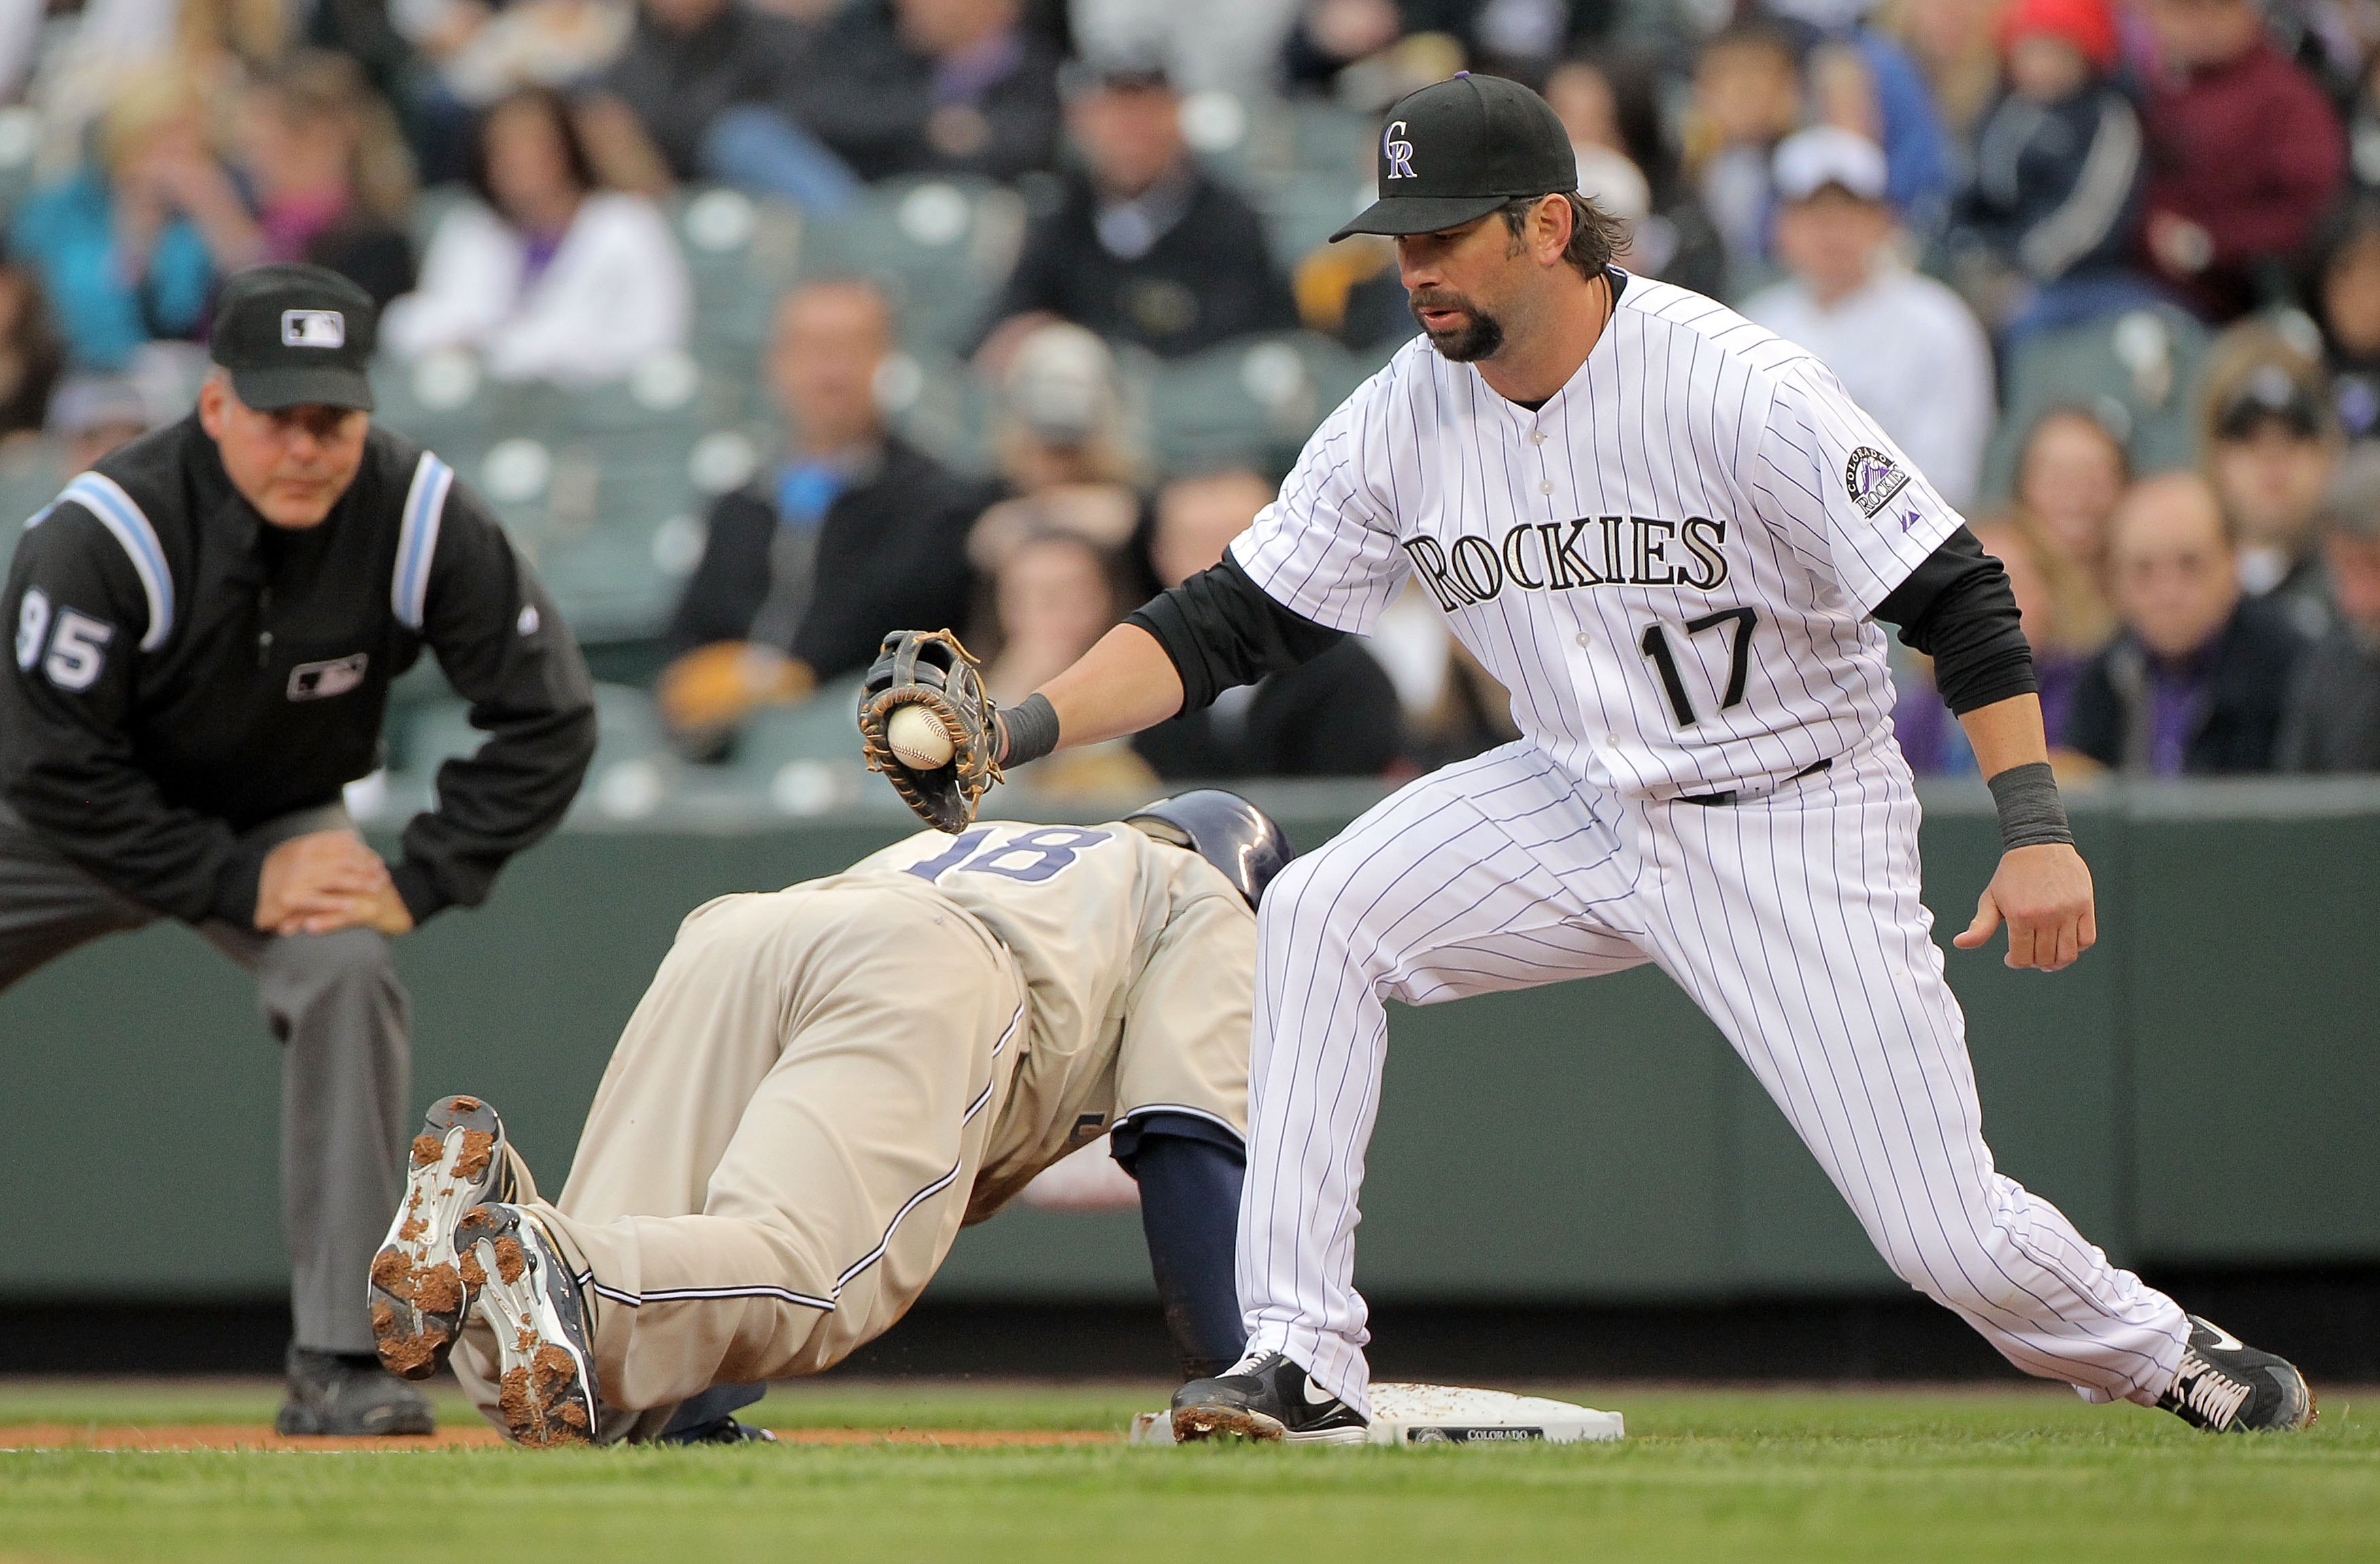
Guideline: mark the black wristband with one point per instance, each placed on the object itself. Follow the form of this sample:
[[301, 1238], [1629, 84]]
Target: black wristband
[[2031, 811], [1032, 729]]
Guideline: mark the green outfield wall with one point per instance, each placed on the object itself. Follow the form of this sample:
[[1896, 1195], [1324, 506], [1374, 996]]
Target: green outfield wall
[[2202, 1088]]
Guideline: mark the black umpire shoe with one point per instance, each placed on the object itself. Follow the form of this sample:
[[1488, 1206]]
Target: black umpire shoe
[[417, 1297], [1265, 1397], [346, 1395], [2227, 1386]]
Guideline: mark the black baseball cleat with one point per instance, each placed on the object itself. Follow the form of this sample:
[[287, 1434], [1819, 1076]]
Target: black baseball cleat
[[524, 1294], [2227, 1387], [417, 1297], [346, 1395], [1265, 1397]]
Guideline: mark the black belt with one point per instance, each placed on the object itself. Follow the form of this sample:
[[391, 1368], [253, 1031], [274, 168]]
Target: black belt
[[1720, 800]]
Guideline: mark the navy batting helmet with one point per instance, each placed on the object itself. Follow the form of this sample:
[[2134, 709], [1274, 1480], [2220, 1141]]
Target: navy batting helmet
[[1225, 830]]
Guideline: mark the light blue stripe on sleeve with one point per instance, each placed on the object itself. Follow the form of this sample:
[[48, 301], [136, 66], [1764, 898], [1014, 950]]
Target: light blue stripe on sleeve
[[417, 540], [106, 499]]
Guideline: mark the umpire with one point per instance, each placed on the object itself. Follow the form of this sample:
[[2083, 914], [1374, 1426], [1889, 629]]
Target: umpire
[[206, 627]]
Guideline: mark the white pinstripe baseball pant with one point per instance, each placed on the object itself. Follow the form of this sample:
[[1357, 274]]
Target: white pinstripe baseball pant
[[1793, 921]]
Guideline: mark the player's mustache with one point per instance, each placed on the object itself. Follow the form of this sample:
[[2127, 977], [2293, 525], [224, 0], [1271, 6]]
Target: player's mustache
[[1439, 298]]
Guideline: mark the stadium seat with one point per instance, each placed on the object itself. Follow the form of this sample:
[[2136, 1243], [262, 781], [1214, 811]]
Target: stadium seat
[[1330, 137], [1253, 401], [939, 247], [802, 759], [740, 254], [1303, 208], [2138, 371], [444, 401]]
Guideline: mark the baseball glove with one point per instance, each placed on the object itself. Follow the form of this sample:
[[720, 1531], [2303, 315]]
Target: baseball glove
[[930, 668]]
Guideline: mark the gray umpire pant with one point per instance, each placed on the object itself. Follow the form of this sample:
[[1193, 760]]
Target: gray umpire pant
[[343, 1022]]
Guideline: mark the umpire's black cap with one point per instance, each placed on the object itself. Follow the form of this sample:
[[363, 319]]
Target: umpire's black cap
[[1459, 149], [1225, 830], [292, 334]]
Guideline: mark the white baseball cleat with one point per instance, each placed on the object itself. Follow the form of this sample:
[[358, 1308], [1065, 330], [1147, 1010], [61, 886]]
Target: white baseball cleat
[[545, 1373], [417, 1296]]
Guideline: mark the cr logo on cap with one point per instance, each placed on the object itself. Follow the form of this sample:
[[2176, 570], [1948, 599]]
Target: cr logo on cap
[[1398, 152], [313, 328]]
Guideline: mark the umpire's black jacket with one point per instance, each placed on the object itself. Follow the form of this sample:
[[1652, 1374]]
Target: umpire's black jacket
[[185, 672]]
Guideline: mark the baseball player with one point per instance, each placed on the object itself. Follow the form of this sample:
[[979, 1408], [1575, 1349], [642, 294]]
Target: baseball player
[[821, 1085], [1672, 535]]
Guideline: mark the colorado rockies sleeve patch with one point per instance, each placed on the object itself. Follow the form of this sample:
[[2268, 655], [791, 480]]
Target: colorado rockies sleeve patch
[[1873, 479]]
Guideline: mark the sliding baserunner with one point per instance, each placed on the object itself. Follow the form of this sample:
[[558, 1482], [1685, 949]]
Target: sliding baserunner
[[821, 1085]]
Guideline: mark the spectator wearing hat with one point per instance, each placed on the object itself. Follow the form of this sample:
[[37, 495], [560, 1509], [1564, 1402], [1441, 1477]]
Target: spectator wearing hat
[[1144, 247], [207, 624], [1903, 344], [853, 533], [2270, 441], [2333, 720], [2047, 212], [1060, 438], [1897, 111], [2245, 155], [2195, 682]]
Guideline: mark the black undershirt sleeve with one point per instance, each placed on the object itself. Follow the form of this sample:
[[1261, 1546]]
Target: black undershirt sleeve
[[1957, 608], [1222, 630]]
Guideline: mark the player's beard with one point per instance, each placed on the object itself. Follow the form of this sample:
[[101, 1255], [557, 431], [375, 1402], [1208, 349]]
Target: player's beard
[[1478, 338]]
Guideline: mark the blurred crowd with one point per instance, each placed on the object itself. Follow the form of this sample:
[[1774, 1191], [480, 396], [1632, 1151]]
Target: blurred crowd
[[2108, 270]]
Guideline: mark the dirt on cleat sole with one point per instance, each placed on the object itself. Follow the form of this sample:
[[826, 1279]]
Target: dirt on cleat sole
[[1192, 1424], [544, 1382], [419, 1294]]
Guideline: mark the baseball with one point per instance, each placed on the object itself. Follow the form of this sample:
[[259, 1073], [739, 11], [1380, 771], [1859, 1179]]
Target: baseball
[[918, 740]]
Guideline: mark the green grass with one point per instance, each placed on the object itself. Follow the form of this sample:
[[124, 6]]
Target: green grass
[[1999, 1476]]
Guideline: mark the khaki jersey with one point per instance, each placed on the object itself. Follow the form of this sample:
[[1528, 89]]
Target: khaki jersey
[[1139, 959]]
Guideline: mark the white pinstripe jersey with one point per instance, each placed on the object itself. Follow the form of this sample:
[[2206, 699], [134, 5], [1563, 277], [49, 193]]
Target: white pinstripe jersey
[[1670, 565]]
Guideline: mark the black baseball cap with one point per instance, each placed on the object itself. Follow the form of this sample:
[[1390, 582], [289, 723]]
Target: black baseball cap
[[1459, 149], [2270, 393], [292, 333]]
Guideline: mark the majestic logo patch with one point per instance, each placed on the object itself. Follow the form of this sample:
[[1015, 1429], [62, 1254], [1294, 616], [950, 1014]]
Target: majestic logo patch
[[1873, 479], [320, 681], [313, 328], [1398, 151]]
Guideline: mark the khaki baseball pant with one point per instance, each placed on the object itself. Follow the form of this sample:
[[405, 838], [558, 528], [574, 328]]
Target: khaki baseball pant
[[782, 1150]]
